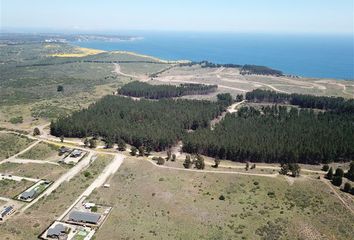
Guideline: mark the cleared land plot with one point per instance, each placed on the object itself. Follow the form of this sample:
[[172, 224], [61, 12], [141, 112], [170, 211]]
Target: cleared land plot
[[42, 151], [33, 170], [11, 188], [164, 204], [12, 144], [230, 80], [36, 219]]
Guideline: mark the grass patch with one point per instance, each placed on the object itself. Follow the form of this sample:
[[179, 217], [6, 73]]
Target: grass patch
[[41, 151], [12, 144], [10, 188], [187, 199]]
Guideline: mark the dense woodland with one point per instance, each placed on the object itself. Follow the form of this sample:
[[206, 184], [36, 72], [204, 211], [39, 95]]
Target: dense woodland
[[259, 70], [336, 104], [277, 134], [141, 89], [154, 124]]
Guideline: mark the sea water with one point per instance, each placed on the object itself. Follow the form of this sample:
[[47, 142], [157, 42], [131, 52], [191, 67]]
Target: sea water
[[307, 55]]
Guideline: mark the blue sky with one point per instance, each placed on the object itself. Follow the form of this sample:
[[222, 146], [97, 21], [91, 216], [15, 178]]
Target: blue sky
[[290, 16]]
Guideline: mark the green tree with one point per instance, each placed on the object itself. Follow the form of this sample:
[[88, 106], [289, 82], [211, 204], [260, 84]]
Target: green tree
[[92, 143], [141, 151], [60, 88], [329, 174], [325, 168], [347, 187], [86, 142], [187, 162], [216, 163], [133, 151], [350, 173], [294, 169], [121, 145], [239, 98], [284, 169], [337, 180], [36, 132], [169, 154], [199, 162], [339, 173], [173, 157], [247, 166], [109, 143], [94, 209]]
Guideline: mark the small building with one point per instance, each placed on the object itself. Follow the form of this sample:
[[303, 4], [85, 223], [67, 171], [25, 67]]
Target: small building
[[5, 212], [28, 194], [84, 217], [56, 232], [63, 150], [89, 205], [76, 153]]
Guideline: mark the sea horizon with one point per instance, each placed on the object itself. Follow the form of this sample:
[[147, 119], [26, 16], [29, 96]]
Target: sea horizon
[[306, 55]]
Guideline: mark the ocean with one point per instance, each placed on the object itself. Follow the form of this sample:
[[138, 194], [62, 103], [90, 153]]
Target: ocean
[[318, 56]]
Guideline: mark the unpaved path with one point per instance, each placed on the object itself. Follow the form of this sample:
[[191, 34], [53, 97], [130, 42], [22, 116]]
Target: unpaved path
[[337, 195], [26, 161], [19, 179], [213, 171], [109, 170], [63, 178], [21, 152]]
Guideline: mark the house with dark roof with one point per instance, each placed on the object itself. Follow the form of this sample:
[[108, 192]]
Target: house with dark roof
[[56, 231], [84, 217], [76, 153], [28, 194], [6, 211]]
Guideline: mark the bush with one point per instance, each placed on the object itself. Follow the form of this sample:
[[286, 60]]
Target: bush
[[222, 198], [160, 161], [87, 174], [36, 132], [94, 209], [16, 120]]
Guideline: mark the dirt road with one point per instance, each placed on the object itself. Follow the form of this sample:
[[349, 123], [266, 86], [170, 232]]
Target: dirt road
[[63, 178], [214, 171], [109, 170]]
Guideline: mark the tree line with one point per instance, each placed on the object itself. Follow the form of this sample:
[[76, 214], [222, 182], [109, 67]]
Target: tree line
[[259, 70], [277, 134], [155, 125], [337, 104], [141, 89]]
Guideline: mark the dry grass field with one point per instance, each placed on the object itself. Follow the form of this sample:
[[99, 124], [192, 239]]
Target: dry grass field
[[42, 151], [155, 203], [33, 170], [12, 144]]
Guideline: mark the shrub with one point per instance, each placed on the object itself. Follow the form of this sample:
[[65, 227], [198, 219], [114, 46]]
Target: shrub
[[222, 198], [16, 120], [87, 174], [94, 209]]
